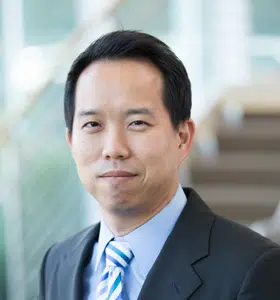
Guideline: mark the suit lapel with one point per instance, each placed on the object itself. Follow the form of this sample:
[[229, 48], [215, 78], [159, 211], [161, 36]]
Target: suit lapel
[[173, 276], [73, 264]]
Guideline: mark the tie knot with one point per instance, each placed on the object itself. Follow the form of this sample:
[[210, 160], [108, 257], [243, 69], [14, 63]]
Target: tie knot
[[118, 254]]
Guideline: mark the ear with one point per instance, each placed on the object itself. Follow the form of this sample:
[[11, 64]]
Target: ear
[[68, 137], [186, 132]]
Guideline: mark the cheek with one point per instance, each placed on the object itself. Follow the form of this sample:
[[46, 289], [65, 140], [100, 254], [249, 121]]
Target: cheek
[[156, 153], [84, 151], [84, 154]]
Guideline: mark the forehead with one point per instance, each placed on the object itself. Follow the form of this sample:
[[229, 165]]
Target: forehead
[[119, 80]]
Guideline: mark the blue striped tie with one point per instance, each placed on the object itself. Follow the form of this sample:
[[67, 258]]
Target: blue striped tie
[[118, 256]]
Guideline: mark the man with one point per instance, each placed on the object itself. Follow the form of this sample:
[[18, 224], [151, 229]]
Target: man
[[127, 111]]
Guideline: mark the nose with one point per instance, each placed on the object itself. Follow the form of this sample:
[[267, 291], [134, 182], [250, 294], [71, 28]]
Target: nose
[[115, 145]]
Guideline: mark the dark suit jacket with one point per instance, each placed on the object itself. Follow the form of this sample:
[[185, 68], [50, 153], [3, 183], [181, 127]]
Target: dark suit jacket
[[206, 257]]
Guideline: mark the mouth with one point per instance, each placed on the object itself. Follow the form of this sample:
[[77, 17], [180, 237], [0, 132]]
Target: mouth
[[119, 173], [118, 176]]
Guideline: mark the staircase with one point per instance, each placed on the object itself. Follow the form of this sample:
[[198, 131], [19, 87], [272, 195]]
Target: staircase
[[242, 180]]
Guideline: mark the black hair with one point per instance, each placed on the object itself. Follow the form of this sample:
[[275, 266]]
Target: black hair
[[129, 44]]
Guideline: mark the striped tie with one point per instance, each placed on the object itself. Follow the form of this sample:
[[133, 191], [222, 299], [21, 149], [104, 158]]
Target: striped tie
[[118, 256]]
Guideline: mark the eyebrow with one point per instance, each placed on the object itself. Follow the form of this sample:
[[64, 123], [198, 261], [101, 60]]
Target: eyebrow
[[90, 112], [139, 111], [129, 112]]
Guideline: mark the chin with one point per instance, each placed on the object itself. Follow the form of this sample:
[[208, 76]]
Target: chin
[[116, 198], [119, 192], [119, 203], [123, 209]]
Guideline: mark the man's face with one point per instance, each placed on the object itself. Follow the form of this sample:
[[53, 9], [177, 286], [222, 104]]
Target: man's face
[[126, 150]]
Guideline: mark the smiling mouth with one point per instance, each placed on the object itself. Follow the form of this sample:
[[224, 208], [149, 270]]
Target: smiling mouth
[[118, 174], [130, 176]]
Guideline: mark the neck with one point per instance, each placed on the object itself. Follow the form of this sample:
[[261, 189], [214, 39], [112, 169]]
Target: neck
[[123, 223]]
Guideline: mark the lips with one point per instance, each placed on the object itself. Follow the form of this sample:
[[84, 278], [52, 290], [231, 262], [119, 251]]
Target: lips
[[119, 173]]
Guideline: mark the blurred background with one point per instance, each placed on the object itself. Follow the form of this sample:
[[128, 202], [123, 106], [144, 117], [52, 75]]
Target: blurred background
[[231, 50]]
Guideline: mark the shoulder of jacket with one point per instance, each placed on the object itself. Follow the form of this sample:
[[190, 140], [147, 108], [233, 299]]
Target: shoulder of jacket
[[240, 237]]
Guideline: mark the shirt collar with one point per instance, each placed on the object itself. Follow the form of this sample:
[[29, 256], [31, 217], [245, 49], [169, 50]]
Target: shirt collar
[[147, 240], [105, 236]]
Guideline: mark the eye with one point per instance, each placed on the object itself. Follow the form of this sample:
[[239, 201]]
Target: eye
[[91, 125], [139, 123]]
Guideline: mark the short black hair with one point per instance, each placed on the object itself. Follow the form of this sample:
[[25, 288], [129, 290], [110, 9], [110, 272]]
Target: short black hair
[[130, 44]]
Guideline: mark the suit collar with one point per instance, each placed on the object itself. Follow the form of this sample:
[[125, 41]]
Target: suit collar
[[74, 263], [173, 275]]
